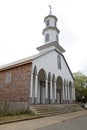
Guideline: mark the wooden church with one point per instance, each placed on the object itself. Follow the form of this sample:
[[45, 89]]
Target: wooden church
[[44, 78]]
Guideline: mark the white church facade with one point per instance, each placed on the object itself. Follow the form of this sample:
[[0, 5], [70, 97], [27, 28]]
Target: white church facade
[[52, 80], [44, 78]]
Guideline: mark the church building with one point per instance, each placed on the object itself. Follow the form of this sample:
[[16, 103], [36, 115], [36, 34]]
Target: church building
[[44, 78]]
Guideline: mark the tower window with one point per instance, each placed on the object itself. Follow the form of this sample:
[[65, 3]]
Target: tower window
[[48, 22], [59, 61], [57, 38], [55, 23], [47, 37]]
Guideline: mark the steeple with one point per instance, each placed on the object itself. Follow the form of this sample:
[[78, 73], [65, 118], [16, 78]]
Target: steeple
[[50, 32]]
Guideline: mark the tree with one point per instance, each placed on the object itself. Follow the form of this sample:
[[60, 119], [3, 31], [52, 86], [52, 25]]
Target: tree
[[80, 86]]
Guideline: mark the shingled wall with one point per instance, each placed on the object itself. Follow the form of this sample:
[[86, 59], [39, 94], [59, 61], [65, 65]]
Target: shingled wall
[[15, 88]]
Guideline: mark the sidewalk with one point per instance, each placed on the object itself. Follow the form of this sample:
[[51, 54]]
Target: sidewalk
[[41, 122]]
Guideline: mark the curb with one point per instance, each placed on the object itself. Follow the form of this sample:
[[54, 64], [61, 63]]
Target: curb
[[8, 122]]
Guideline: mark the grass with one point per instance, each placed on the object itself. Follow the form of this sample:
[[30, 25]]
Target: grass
[[14, 117], [18, 113]]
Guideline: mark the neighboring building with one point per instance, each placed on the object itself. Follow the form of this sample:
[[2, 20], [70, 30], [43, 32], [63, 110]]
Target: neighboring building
[[44, 78]]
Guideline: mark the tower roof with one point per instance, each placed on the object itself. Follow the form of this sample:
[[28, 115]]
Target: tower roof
[[51, 16]]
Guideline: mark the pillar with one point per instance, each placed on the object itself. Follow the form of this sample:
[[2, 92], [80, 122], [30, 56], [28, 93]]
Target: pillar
[[55, 91], [63, 94], [31, 89], [36, 87], [46, 98], [51, 94], [68, 94]]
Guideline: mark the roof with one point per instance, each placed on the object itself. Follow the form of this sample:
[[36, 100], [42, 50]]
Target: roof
[[21, 61], [29, 60], [50, 15]]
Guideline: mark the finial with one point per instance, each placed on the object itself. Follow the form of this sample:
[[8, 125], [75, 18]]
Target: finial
[[50, 8]]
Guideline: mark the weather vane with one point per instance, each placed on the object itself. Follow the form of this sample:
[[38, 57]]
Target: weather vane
[[50, 8]]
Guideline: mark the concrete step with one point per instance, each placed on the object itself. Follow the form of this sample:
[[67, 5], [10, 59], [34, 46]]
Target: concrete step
[[48, 110]]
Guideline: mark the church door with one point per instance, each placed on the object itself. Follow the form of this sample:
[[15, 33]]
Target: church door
[[58, 96], [42, 92]]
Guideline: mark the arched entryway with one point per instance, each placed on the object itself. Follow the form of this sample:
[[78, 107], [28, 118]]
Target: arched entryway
[[42, 84], [59, 84]]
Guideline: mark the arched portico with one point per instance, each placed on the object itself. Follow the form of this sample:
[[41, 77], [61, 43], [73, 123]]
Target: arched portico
[[42, 85], [59, 86], [47, 89]]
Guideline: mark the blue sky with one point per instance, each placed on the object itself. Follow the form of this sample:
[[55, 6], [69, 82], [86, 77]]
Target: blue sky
[[22, 22]]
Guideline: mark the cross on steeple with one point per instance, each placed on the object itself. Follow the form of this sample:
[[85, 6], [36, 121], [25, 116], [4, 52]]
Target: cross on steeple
[[50, 8]]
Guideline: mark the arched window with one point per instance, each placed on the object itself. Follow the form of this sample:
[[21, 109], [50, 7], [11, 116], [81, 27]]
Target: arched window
[[57, 38], [59, 61], [47, 37], [55, 23], [48, 22]]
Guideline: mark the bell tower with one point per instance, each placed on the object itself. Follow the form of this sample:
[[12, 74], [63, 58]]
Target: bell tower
[[50, 32]]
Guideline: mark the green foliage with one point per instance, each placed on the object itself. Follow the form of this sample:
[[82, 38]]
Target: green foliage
[[80, 86]]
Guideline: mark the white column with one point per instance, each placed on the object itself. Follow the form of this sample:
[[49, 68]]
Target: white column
[[65, 91], [46, 82], [36, 87], [31, 88], [68, 94], [51, 95], [55, 90], [63, 94]]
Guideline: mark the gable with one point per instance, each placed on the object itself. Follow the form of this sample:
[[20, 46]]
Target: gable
[[49, 63]]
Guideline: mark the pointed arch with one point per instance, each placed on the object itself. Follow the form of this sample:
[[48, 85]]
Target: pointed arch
[[59, 82], [42, 74], [47, 37]]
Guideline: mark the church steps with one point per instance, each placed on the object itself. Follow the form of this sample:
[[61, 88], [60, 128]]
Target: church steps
[[49, 110]]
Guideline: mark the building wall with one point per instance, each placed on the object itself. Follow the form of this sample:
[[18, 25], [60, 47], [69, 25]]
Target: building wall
[[48, 62], [15, 85]]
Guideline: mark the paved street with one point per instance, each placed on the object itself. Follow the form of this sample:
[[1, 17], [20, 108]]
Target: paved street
[[79, 123], [69, 121]]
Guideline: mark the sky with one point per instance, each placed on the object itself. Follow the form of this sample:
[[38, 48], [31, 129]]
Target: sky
[[22, 22]]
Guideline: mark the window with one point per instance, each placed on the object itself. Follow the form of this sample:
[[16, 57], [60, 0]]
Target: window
[[47, 37], [8, 78], [47, 24], [59, 61], [57, 38], [55, 23]]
